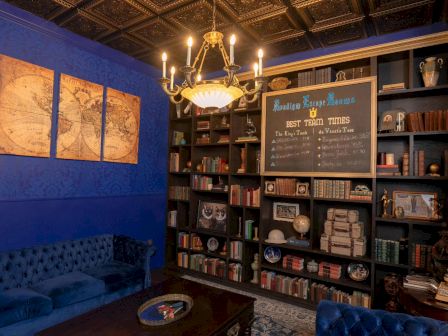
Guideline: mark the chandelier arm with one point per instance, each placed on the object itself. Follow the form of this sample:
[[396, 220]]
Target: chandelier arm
[[224, 53], [254, 98], [254, 91], [188, 80], [174, 101], [199, 54], [203, 59], [170, 93]]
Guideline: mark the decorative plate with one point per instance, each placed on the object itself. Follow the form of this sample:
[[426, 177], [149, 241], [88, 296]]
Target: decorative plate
[[272, 254], [164, 309], [279, 83], [212, 244], [357, 272]]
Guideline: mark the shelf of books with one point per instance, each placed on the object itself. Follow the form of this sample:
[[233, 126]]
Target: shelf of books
[[340, 236]]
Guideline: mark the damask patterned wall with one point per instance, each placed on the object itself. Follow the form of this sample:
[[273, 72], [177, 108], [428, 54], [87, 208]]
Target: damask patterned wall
[[43, 200]]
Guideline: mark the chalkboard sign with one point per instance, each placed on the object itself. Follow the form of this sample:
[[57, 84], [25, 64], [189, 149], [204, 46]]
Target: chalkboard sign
[[321, 130]]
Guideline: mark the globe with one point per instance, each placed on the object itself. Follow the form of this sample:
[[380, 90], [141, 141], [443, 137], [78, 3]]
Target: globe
[[301, 224]]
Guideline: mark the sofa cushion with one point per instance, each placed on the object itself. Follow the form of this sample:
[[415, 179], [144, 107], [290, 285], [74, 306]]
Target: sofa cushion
[[19, 304], [70, 288], [117, 275]]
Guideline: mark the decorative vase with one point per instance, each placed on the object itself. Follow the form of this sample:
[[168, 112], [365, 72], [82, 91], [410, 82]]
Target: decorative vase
[[255, 267], [392, 284], [430, 70]]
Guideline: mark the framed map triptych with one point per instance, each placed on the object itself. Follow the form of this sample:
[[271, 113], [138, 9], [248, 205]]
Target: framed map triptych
[[26, 107]]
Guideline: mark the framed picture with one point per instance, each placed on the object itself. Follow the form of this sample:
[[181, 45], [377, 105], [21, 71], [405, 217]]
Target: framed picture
[[212, 216], [302, 188], [269, 187], [416, 205], [285, 212], [392, 121]]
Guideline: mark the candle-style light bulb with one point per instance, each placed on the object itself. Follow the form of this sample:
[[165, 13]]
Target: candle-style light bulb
[[164, 58], [198, 77], [260, 61], [255, 70], [173, 71], [232, 48], [189, 44]]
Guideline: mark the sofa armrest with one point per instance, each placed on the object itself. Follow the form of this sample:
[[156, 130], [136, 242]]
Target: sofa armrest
[[135, 252], [338, 319]]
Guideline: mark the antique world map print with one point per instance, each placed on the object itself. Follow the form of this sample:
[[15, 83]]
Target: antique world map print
[[79, 119], [122, 127], [26, 102]]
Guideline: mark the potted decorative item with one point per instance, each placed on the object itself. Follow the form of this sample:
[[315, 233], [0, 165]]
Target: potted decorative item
[[430, 70]]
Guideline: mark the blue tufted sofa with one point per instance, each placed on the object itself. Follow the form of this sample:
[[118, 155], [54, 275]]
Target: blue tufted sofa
[[338, 319], [45, 285]]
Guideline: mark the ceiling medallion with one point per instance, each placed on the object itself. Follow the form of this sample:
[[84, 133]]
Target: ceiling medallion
[[212, 93]]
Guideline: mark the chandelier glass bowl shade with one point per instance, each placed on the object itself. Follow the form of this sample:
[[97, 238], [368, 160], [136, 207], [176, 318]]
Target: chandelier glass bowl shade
[[211, 93]]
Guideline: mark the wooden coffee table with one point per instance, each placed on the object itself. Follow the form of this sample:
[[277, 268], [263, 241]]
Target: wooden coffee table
[[215, 312]]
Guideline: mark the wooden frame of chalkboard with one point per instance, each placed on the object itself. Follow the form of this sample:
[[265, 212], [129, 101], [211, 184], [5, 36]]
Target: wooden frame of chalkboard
[[320, 130]]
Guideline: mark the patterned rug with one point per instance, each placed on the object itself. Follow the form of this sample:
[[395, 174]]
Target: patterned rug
[[272, 317]]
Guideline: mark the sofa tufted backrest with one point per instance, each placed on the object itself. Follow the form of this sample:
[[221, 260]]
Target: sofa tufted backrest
[[338, 319], [25, 267]]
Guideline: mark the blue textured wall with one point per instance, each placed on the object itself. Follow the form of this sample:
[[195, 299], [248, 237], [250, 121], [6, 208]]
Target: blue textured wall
[[45, 200]]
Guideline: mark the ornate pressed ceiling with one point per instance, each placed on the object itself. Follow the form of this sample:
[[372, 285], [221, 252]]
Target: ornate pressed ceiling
[[144, 28]]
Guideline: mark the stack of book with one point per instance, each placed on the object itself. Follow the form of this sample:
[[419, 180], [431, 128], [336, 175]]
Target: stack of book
[[172, 218], [202, 182], [297, 287], [174, 162], [427, 121], [182, 259], [235, 272], [393, 87], [285, 186], [420, 282], [332, 188], [183, 240], [248, 229], [179, 193], [305, 78], [421, 256], [211, 266], [330, 270], [419, 163], [293, 263], [320, 292], [245, 196], [388, 170], [387, 250], [213, 164], [203, 125], [236, 250], [325, 75]]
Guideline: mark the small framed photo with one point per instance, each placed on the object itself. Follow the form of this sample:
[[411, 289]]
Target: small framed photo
[[212, 216], [416, 205], [302, 188], [285, 212], [269, 187]]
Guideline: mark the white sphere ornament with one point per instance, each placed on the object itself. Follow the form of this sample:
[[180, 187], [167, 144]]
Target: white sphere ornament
[[301, 224]]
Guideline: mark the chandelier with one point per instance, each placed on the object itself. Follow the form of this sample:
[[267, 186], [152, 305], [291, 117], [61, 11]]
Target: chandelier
[[212, 93]]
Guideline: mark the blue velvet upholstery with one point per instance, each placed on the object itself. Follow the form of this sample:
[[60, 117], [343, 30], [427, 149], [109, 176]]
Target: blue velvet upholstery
[[117, 275], [21, 304], [338, 319], [76, 276], [70, 288]]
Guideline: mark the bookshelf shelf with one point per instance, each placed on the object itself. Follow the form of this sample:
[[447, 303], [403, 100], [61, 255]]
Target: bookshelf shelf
[[380, 263], [345, 282], [307, 197], [342, 200], [211, 191], [411, 221], [414, 92]]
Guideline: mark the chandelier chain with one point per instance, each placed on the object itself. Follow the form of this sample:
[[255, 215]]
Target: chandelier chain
[[214, 16]]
